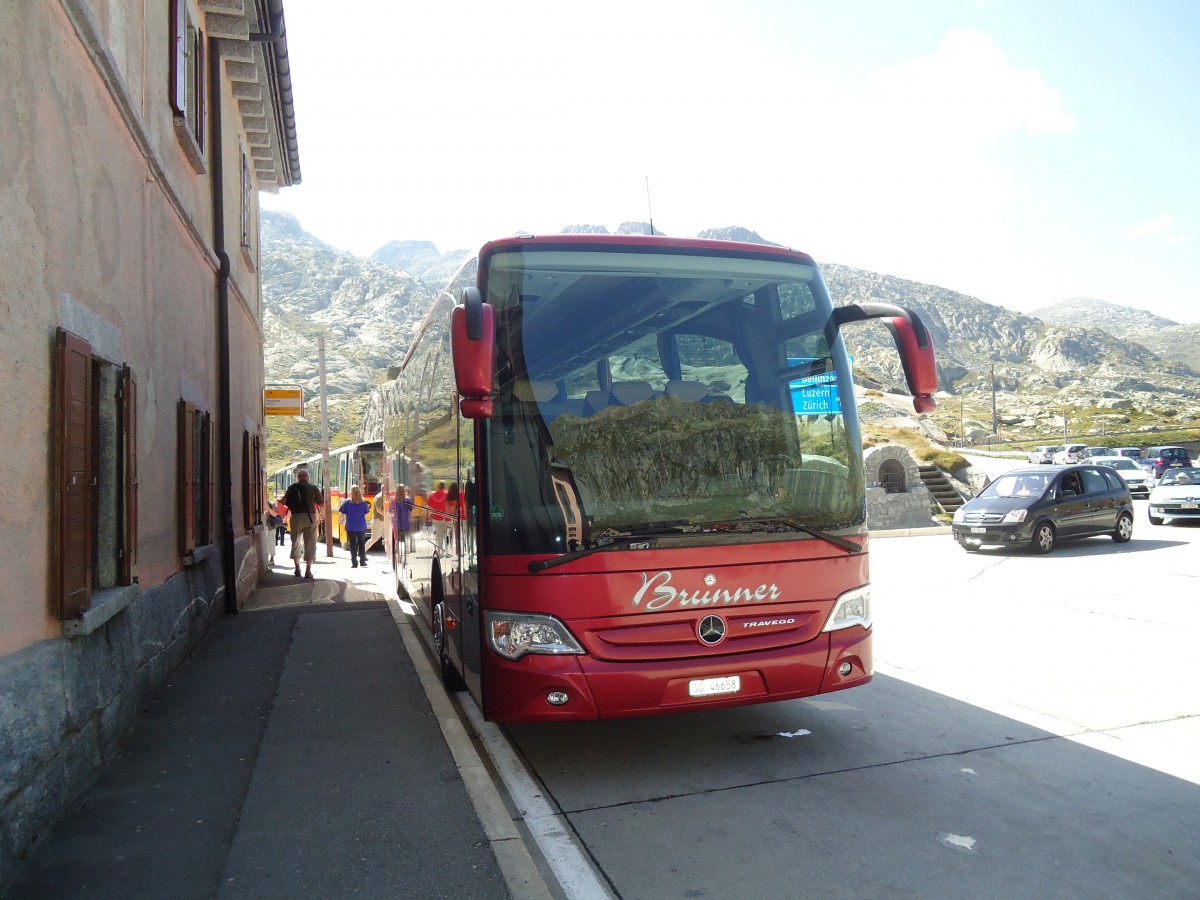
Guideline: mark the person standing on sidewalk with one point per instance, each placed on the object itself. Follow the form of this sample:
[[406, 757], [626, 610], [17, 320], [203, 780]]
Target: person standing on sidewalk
[[304, 502], [355, 510]]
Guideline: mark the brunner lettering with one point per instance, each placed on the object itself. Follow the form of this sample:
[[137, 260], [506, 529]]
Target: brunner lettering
[[657, 592]]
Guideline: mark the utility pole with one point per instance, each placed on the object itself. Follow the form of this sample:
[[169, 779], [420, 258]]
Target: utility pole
[[995, 421], [1065, 437], [962, 429], [326, 481]]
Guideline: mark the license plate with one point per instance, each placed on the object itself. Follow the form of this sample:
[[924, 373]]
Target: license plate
[[1188, 506], [978, 531], [708, 687]]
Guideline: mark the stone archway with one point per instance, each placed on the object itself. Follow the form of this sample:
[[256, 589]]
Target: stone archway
[[896, 495]]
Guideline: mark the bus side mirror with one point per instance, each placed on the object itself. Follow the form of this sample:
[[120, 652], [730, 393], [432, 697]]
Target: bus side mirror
[[912, 341], [472, 344]]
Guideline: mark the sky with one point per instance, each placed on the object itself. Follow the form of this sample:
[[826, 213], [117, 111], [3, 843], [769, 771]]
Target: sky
[[1023, 152]]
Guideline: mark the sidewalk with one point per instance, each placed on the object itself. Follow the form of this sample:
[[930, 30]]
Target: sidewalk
[[296, 754]]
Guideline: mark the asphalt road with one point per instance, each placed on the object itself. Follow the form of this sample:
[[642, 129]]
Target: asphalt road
[[1033, 731]]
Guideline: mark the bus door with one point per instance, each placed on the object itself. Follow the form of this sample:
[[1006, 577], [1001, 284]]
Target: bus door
[[462, 578]]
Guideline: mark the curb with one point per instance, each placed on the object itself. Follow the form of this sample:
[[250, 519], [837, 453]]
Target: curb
[[520, 872], [911, 532]]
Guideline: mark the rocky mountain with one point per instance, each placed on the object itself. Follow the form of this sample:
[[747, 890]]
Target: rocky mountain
[[1093, 363], [422, 260], [367, 310], [1164, 337]]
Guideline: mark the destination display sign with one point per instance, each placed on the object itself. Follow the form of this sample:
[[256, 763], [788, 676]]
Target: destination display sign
[[814, 395]]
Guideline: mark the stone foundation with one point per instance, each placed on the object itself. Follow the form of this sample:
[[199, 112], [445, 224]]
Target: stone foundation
[[910, 508], [67, 703]]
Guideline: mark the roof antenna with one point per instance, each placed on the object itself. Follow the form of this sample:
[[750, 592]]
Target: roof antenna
[[648, 206]]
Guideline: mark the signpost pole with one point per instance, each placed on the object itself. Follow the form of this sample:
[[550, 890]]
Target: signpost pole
[[327, 481]]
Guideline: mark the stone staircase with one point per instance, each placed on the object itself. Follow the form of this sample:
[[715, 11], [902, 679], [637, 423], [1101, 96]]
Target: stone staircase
[[941, 488]]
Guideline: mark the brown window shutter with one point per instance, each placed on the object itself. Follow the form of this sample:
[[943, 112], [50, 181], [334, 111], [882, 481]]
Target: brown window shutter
[[187, 478], [260, 479], [179, 49], [73, 536], [206, 480], [129, 420], [201, 89], [247, 483]]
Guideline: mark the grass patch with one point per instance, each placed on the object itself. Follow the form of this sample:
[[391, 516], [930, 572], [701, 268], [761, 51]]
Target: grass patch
[[916, 443]]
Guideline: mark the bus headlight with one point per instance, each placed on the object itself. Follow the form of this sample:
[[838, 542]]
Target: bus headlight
[[852, 608], [514, 635]]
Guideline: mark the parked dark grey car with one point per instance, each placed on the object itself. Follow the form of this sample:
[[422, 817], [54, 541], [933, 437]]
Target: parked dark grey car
[[1038, 506]]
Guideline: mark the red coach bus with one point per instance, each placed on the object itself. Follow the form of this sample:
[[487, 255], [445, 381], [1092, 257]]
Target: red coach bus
[[656, 451]]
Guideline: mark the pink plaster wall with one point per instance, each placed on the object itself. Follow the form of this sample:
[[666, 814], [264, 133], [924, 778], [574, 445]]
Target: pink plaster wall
[[84, 213]]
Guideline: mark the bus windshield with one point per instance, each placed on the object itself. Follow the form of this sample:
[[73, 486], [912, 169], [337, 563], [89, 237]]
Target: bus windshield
[[647, 390]]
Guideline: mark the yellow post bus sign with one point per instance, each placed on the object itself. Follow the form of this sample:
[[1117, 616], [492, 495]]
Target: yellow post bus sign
[[283, 401]]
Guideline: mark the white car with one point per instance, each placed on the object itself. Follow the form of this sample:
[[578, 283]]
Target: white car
[[1071, 453], [1134, 476], [1176, 496], [1042, 455]]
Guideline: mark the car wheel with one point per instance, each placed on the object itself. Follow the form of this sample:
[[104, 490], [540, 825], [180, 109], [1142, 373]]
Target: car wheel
[[1124, 530], [1155, 520], [1043, 538]]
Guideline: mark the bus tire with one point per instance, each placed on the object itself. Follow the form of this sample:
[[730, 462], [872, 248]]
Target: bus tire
[[450, 677]]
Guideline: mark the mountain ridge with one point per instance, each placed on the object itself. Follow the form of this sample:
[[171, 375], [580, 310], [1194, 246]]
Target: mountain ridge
[[369, 310]]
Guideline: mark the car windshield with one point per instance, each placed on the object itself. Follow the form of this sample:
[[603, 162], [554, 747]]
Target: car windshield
[[1180, 476], [1030, 484], [1124, 463]]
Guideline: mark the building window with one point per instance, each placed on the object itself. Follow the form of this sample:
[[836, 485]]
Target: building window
[[195, 478], [891, 477], [188, 79], [254, 485], [247, 202], [96, 475]]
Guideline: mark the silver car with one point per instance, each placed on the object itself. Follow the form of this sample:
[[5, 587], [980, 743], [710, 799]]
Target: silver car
[[1134, 476], [1042, 455], [1071, 453]]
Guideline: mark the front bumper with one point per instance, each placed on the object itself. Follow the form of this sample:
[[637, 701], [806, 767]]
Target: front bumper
[[1008, 533], [597, 689], [1175, 510]]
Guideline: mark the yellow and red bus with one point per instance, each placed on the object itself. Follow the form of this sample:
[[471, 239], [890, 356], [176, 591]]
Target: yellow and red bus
[[360, 464], [656, 450]]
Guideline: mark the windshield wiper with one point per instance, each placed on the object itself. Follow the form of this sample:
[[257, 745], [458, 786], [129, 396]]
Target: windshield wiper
[[541, 565], [848, 546], [692, 529]]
